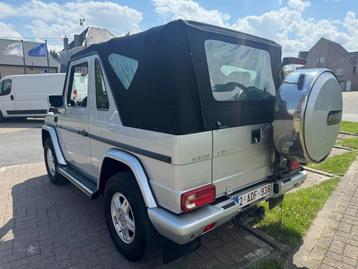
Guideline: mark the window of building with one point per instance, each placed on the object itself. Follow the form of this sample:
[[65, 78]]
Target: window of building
[[354, 69], [5, 87], [320, 60], [339, 72], [124, 67], [102, 102], [78, 90]]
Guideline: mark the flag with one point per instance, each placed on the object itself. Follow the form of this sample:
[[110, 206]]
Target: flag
[[38, 51], [14, 49]]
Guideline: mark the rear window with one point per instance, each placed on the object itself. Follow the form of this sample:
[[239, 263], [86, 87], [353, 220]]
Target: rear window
[[238, 72]]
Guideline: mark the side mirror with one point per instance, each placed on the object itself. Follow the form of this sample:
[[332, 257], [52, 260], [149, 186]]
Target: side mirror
[[283, 72], [56, 101]]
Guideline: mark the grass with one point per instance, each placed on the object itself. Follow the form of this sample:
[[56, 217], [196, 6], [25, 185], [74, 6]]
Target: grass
[[351, 142], [289, 222], [350, 127], [337, 165]]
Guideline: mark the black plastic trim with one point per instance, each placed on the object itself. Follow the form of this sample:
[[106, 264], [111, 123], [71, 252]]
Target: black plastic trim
[[147, 153], [19, 112]]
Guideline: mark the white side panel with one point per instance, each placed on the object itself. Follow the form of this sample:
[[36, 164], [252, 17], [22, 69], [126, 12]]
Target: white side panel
[[32, 92], [237, 161]]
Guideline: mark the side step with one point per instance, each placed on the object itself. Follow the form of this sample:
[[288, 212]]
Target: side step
[[80, 181]]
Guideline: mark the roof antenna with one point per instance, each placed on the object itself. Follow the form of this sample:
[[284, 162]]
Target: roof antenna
[[82, 22]]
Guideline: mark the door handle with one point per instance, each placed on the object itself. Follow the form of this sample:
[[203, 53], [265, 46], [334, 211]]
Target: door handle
[[11, 97], [84, 133]]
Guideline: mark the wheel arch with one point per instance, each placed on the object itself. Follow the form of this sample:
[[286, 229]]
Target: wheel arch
[[50, 132], [115, 161]]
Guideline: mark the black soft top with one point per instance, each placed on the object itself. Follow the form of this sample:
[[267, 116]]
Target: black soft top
[[171, 91]]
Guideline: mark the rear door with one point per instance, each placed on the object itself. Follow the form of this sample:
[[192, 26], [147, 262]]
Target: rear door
[[237, 89]]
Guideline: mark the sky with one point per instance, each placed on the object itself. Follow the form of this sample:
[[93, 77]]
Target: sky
[[295, 24]]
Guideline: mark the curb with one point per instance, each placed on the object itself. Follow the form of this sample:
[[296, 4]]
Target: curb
[[342, 147], [348, 133], [319, 172], [4, 168], [267, 239]]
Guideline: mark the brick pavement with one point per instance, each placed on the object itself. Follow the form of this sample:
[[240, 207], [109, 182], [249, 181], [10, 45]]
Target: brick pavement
[[47, 226], [332, 241]]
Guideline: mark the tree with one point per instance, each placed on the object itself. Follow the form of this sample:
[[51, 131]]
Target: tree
[[55, 55]]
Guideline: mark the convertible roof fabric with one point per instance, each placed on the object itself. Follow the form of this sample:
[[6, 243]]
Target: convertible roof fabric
[[170, 91]]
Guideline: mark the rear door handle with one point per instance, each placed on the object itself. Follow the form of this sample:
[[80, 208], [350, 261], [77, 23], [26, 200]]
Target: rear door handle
[[84, 133], [11, 97]]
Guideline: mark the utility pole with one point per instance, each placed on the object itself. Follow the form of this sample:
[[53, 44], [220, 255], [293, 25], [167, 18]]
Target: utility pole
[[48, 62], [23, 55]]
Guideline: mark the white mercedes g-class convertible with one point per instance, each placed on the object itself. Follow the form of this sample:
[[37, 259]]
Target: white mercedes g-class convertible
[[185, 126]]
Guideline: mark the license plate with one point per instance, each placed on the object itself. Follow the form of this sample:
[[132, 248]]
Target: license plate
[[249, 197]]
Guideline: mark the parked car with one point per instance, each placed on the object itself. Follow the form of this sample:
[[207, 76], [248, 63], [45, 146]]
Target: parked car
[[184, 127], [27, 95]]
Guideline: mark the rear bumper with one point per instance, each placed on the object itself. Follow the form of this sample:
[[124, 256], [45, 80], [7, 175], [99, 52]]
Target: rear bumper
[[188, 226]]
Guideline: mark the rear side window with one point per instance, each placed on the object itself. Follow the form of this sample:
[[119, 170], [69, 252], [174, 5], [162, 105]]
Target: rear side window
[[5, 87], [101, 92], [239, 72], [124, 67], [78, 90]]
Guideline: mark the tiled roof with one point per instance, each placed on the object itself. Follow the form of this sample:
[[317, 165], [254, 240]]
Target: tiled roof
[[92, 35]]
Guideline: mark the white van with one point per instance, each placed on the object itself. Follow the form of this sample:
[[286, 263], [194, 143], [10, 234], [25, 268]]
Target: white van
[[27, 95]]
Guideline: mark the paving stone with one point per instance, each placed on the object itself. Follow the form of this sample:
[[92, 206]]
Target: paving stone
[[345, 227], [351, 252], [335, 229], [47, 226]]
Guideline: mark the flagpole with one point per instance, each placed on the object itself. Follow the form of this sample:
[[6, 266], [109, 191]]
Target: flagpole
[[23, 55], [48, 62]]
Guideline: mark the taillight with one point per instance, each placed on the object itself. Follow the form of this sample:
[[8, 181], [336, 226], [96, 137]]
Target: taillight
[[198, 197], [294, 165]]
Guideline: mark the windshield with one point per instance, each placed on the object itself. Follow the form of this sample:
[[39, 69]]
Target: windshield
[[238, 72]]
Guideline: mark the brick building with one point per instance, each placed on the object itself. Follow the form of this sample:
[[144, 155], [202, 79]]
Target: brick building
[[328, 54]]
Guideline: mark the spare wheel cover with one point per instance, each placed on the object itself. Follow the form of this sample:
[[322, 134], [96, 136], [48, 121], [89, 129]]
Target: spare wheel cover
[[323, 110]]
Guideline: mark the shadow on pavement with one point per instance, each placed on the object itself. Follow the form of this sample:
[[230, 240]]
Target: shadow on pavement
[[58, 226]]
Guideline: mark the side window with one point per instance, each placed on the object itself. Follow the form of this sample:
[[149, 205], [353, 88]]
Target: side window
[[101, 92], [5, 87], [124, 67], [78, 90]]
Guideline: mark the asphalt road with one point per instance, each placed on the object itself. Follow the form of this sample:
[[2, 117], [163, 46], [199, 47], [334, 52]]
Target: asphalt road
[[350, 106], [20, 142]]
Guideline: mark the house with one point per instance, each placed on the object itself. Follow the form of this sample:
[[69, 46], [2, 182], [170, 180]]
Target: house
[[329, 54], [91, 35], [12, 64]]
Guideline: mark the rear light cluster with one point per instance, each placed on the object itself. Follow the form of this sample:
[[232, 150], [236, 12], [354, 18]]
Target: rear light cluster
[[198, 197], [294, 165]]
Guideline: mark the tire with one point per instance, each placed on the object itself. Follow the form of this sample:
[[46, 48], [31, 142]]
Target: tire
[[52, 165], [1, 117], [144, 238]]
